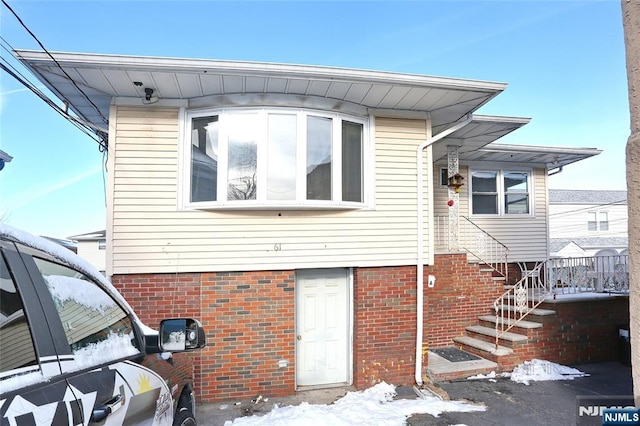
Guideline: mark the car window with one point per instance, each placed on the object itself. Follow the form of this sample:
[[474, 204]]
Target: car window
[[97, 328], [17, 354]]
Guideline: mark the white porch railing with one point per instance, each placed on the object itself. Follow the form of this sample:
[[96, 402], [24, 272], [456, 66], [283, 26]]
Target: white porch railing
[[518, 302], [474, 240], [601, 274], [597, 274]]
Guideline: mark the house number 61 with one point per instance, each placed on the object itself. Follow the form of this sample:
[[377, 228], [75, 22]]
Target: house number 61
[[277, 246]]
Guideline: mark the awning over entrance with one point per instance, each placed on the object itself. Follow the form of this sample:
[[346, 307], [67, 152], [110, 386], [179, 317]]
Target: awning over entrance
[[475, 142]]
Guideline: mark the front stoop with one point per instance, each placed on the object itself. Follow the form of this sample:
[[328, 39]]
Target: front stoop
[[440, 369], [480, 340]]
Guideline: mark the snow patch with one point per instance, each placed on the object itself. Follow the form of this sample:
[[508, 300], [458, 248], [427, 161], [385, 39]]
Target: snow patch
[[374, 406], [539, 370]]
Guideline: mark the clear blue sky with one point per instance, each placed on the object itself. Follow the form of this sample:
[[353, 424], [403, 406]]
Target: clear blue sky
[[564, 62]]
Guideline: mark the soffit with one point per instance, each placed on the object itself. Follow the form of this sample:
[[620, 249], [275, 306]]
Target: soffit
[[475, 143], [89, 82]]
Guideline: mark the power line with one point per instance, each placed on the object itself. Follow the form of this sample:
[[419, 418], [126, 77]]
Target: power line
[[103, 142], [79, 124], [590, 207]]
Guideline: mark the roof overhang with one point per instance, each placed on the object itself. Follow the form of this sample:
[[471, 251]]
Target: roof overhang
[[550, 157], [89, 83]]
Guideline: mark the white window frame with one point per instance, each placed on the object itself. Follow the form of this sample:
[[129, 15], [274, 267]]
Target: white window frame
[[500, 190], [261, 201], [598, 222]]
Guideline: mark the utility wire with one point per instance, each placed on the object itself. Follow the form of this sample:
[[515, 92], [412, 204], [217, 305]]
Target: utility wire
[[590, 207], [79, 124], [103, 143]]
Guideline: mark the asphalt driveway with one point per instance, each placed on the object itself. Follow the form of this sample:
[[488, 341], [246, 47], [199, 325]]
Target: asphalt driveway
[[537, 404]]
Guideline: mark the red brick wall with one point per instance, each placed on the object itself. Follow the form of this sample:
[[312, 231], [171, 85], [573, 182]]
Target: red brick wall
[[462, 291], [249, 318], [582, 331], [385, 325], [155, 297], [250, 321]]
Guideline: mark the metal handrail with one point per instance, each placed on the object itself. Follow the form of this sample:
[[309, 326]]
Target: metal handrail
[[520, 300], [475, 241], [487, 249]]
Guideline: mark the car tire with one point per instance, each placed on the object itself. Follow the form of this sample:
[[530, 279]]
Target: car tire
[[185, 417]]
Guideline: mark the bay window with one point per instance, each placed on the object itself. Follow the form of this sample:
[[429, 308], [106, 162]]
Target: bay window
[[275, 158], [500, 192]]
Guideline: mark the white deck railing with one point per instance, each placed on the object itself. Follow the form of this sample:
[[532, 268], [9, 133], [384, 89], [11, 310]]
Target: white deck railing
[[596, 274], [475, 241], [600, 274]]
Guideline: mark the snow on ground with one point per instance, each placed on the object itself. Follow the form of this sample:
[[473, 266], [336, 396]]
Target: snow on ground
[[376, 406], [371, 407], [539, 370], [536, 370]]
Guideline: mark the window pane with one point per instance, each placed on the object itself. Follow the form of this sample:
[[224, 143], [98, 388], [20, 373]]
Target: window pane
[[243, 157], [485, 204], [281, 163], [592, 224], [351, 161], [16, 344], [97, 328], [484, 181], [517, 203], [515, 182], [444, 177], [204, 158], [604, 221], [319, 158]]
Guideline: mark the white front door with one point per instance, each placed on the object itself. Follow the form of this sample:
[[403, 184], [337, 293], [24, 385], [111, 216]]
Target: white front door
[[322, 327]]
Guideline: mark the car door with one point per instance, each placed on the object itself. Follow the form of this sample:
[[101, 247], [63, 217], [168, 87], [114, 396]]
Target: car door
[[32, 388], [98, 346]]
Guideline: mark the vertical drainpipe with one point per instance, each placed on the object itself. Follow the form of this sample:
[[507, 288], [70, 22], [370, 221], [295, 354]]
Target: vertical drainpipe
[[420, 255]]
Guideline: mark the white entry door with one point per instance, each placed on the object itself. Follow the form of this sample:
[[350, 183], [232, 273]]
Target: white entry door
[[322, 327]]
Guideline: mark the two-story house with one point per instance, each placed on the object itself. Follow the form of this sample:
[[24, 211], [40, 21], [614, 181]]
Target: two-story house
[[327, 225], [587, 222]]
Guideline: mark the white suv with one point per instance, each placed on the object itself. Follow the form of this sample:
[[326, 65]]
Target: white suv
[[73, 352]]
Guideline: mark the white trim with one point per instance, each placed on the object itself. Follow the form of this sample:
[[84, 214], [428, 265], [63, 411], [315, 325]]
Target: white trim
[[500, 191], [111, 166], [164, 103], [261, 202], [349, 279], [148, 63]]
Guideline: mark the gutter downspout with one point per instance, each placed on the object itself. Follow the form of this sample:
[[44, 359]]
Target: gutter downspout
[[420, 248], [550, 173]]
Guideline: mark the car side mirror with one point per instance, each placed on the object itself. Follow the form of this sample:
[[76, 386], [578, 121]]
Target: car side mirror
[[181, 334]]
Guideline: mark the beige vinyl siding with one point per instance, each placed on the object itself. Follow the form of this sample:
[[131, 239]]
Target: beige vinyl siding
[[526, 237], [150, 233]]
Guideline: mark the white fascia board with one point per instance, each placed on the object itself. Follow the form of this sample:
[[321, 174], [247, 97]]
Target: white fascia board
[[90, 60], [501, 119], [497, 147]]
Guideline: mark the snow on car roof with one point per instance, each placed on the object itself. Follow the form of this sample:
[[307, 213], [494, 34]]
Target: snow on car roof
[[68, 257]]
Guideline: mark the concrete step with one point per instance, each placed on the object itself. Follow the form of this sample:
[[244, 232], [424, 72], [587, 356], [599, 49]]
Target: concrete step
[[439, 369], [491, 332], [482, 346], [537, 311], [520, 324]]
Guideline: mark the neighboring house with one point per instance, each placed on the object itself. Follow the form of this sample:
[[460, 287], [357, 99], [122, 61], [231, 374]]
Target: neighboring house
[[303, 213], [587, 222], [68, 243], [92, 247]]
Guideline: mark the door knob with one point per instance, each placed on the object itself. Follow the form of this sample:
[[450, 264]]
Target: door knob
[[299, 337]]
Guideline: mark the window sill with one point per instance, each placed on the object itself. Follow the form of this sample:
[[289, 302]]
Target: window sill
[[244, 206]]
